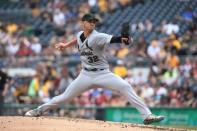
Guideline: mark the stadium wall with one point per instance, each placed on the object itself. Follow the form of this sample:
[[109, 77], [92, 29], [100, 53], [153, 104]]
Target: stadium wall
[[174, 116]]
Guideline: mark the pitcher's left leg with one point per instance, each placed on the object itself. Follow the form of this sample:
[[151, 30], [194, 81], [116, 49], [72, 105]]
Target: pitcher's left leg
[[113, 82]]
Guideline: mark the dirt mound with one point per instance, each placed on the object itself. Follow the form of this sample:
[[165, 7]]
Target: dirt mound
[[19, 123]]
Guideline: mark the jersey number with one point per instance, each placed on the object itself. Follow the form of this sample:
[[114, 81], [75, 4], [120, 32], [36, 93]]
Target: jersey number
[[93, 59]]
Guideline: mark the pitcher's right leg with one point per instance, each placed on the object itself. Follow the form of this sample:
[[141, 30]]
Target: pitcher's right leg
[[79, 85]]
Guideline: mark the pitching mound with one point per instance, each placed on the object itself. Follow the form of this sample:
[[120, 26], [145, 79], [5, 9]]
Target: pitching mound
[[18, 123]]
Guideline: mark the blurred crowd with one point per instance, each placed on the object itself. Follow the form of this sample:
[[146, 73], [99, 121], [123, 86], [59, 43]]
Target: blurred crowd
[[58, 17], [169, 79], [158, 85]]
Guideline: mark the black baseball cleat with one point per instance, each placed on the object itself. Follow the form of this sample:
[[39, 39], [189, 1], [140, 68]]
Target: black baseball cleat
[[153, 118], [34, 113]]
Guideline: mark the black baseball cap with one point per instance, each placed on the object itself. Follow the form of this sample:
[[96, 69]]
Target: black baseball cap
[[89, 17]]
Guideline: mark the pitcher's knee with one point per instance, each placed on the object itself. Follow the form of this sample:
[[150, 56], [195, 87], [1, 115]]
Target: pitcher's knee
[[126, 86]]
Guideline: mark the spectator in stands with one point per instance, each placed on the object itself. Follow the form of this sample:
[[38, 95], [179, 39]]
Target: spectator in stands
[[48, 50], [175, 41], [83, 8], [171, 27], [153, 50], [50, 70], [134, 26], [174, 102], [44, 91], [170, 76], [113, 5], [36, 81], [120, 69], [117, 100], [139, 78], [4, 37], [83, 99], [162, 54], [194, 69], [11, 28], [160, 28], [161, 91], [172, 60], [33, 5], [139, 48], [101, 99], [186, 67], [2, 51], [147, 93], [59, 18], [24, 48], [92, 3], [141, 27], [122, 52], [191, 100], [103, 5], [35, 46], [130, 78], [148, 25], [124, 3], [187, 15], [12, 47], [46, 15], [34, 86]]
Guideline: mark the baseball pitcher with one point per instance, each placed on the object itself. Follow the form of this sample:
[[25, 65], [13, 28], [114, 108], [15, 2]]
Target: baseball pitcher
[[95, 69]]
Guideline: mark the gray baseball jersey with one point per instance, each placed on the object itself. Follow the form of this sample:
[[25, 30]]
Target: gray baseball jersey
[[92, 49]]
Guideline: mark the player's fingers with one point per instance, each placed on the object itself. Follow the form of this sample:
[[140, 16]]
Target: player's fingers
[[61, 48], [56, 46], [124, 40]]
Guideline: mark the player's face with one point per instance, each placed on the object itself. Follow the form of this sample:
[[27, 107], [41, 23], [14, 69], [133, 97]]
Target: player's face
[[88, 25]]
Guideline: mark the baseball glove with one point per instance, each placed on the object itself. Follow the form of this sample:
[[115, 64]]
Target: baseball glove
[[125, 33]]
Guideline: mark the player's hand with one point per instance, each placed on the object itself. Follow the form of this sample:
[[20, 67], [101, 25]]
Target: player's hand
[[127, 40], [60, 46]]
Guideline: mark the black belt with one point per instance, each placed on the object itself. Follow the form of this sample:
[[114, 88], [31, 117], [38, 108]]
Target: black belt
[[93, 69]]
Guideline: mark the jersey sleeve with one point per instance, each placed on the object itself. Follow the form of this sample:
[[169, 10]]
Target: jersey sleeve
[[103, 39]]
